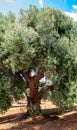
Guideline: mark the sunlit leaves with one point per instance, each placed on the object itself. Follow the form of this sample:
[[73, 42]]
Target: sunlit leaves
[[39, 38]]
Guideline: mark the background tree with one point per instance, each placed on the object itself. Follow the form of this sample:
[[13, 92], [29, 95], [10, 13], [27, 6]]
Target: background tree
[[40, 42]]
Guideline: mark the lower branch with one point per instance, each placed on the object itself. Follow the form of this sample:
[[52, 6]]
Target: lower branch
[[43, 90]]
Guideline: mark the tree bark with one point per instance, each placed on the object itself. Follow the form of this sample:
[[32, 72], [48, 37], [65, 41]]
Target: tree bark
[[33, 96], [33, 107], [43, 90], [33, 104]]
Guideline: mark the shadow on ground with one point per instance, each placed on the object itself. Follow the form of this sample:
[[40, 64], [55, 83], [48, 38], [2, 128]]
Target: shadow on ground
[[68, 122], [53, 121]]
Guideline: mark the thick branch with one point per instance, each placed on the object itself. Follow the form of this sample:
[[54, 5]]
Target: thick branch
[[39, 75], [33, 82], [26, 76], [43, 90]]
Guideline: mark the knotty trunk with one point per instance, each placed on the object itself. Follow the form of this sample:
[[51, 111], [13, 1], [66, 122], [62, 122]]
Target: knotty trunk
[[33, 106], [33, 95]]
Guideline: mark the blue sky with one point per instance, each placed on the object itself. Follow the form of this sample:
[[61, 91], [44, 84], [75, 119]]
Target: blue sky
[[67, 6]]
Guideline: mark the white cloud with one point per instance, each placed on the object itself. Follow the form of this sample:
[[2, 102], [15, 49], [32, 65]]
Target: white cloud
[[72, 15], [8, 1], [74, 6], [41, 3]]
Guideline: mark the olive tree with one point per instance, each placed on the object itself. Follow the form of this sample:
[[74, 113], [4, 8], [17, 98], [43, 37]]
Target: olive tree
[[39, 43]]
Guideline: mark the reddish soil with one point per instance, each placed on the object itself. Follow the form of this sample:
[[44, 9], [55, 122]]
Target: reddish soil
[[12, 119]]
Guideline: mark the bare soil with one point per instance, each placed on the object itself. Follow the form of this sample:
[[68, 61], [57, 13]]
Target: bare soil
[[14, 118]]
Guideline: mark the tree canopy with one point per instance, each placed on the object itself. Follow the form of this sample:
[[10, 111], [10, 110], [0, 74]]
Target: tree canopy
[[38, 39]]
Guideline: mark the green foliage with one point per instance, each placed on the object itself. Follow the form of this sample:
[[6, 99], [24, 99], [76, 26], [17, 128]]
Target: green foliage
[[5, 101], [10, 89], [38, 38]]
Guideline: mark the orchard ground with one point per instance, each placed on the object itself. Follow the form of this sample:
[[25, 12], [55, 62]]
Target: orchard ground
[[12, 119]]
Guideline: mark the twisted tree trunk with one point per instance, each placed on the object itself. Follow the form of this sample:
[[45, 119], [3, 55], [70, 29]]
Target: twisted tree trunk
[[33, 95]]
